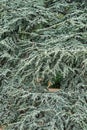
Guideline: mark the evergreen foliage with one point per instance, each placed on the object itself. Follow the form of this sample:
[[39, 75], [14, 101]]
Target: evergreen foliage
[[42, 41]]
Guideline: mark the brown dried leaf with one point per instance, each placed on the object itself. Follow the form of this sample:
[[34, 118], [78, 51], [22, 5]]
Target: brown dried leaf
[[49, 84]]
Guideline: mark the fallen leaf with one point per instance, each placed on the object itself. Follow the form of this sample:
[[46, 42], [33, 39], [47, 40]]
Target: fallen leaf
[[49, 83], [53, 89]]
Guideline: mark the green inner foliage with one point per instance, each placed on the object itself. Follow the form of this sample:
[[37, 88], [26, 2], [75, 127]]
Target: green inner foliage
[[43, 41], [57, 81]]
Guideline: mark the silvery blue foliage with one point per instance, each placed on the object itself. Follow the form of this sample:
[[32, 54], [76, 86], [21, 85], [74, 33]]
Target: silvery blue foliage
[[39, 42]]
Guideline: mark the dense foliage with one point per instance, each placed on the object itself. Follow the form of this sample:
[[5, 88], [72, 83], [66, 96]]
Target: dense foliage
[[43, 41]]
